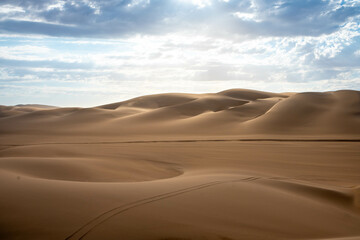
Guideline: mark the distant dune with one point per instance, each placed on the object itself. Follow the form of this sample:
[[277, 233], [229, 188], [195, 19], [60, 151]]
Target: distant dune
[[231, 112], [238, 164]]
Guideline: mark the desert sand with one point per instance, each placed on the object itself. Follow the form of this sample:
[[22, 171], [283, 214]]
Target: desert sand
[[238, 164]]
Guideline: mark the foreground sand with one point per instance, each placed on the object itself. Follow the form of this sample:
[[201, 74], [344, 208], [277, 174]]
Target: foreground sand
[[236, 165]]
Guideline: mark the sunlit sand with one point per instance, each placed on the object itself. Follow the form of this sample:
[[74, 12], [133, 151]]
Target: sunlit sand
[[238, 164]]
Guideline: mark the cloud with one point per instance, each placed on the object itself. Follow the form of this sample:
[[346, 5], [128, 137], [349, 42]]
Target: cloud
[[126, 48], [109, 18], [43, 64]]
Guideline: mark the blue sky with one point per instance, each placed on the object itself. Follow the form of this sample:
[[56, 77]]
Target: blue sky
[[92, 52]]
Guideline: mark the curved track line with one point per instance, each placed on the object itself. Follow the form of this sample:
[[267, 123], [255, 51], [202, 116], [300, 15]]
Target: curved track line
[[95, 222], [111, 211]]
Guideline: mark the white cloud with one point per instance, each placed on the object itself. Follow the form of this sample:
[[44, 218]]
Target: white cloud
[[6, 9], [247, 16], [25, 52], [57, 5], [199, 3]]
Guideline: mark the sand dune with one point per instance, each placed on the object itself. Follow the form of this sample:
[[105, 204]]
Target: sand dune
[[6, 111], [238, 164], [231, 112]]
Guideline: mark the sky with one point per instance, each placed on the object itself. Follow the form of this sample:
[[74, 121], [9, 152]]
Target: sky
[[92, 52]]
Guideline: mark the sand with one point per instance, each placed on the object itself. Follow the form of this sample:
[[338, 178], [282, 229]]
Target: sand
[[238, 164]]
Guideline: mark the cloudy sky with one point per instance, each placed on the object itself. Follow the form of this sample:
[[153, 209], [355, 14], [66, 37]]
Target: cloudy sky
[[92, 52]]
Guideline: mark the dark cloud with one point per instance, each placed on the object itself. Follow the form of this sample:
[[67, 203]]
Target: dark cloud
[[295, 18], [111, 18]]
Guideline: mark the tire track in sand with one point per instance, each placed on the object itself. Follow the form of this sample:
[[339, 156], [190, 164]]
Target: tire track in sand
[[84, 230]]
